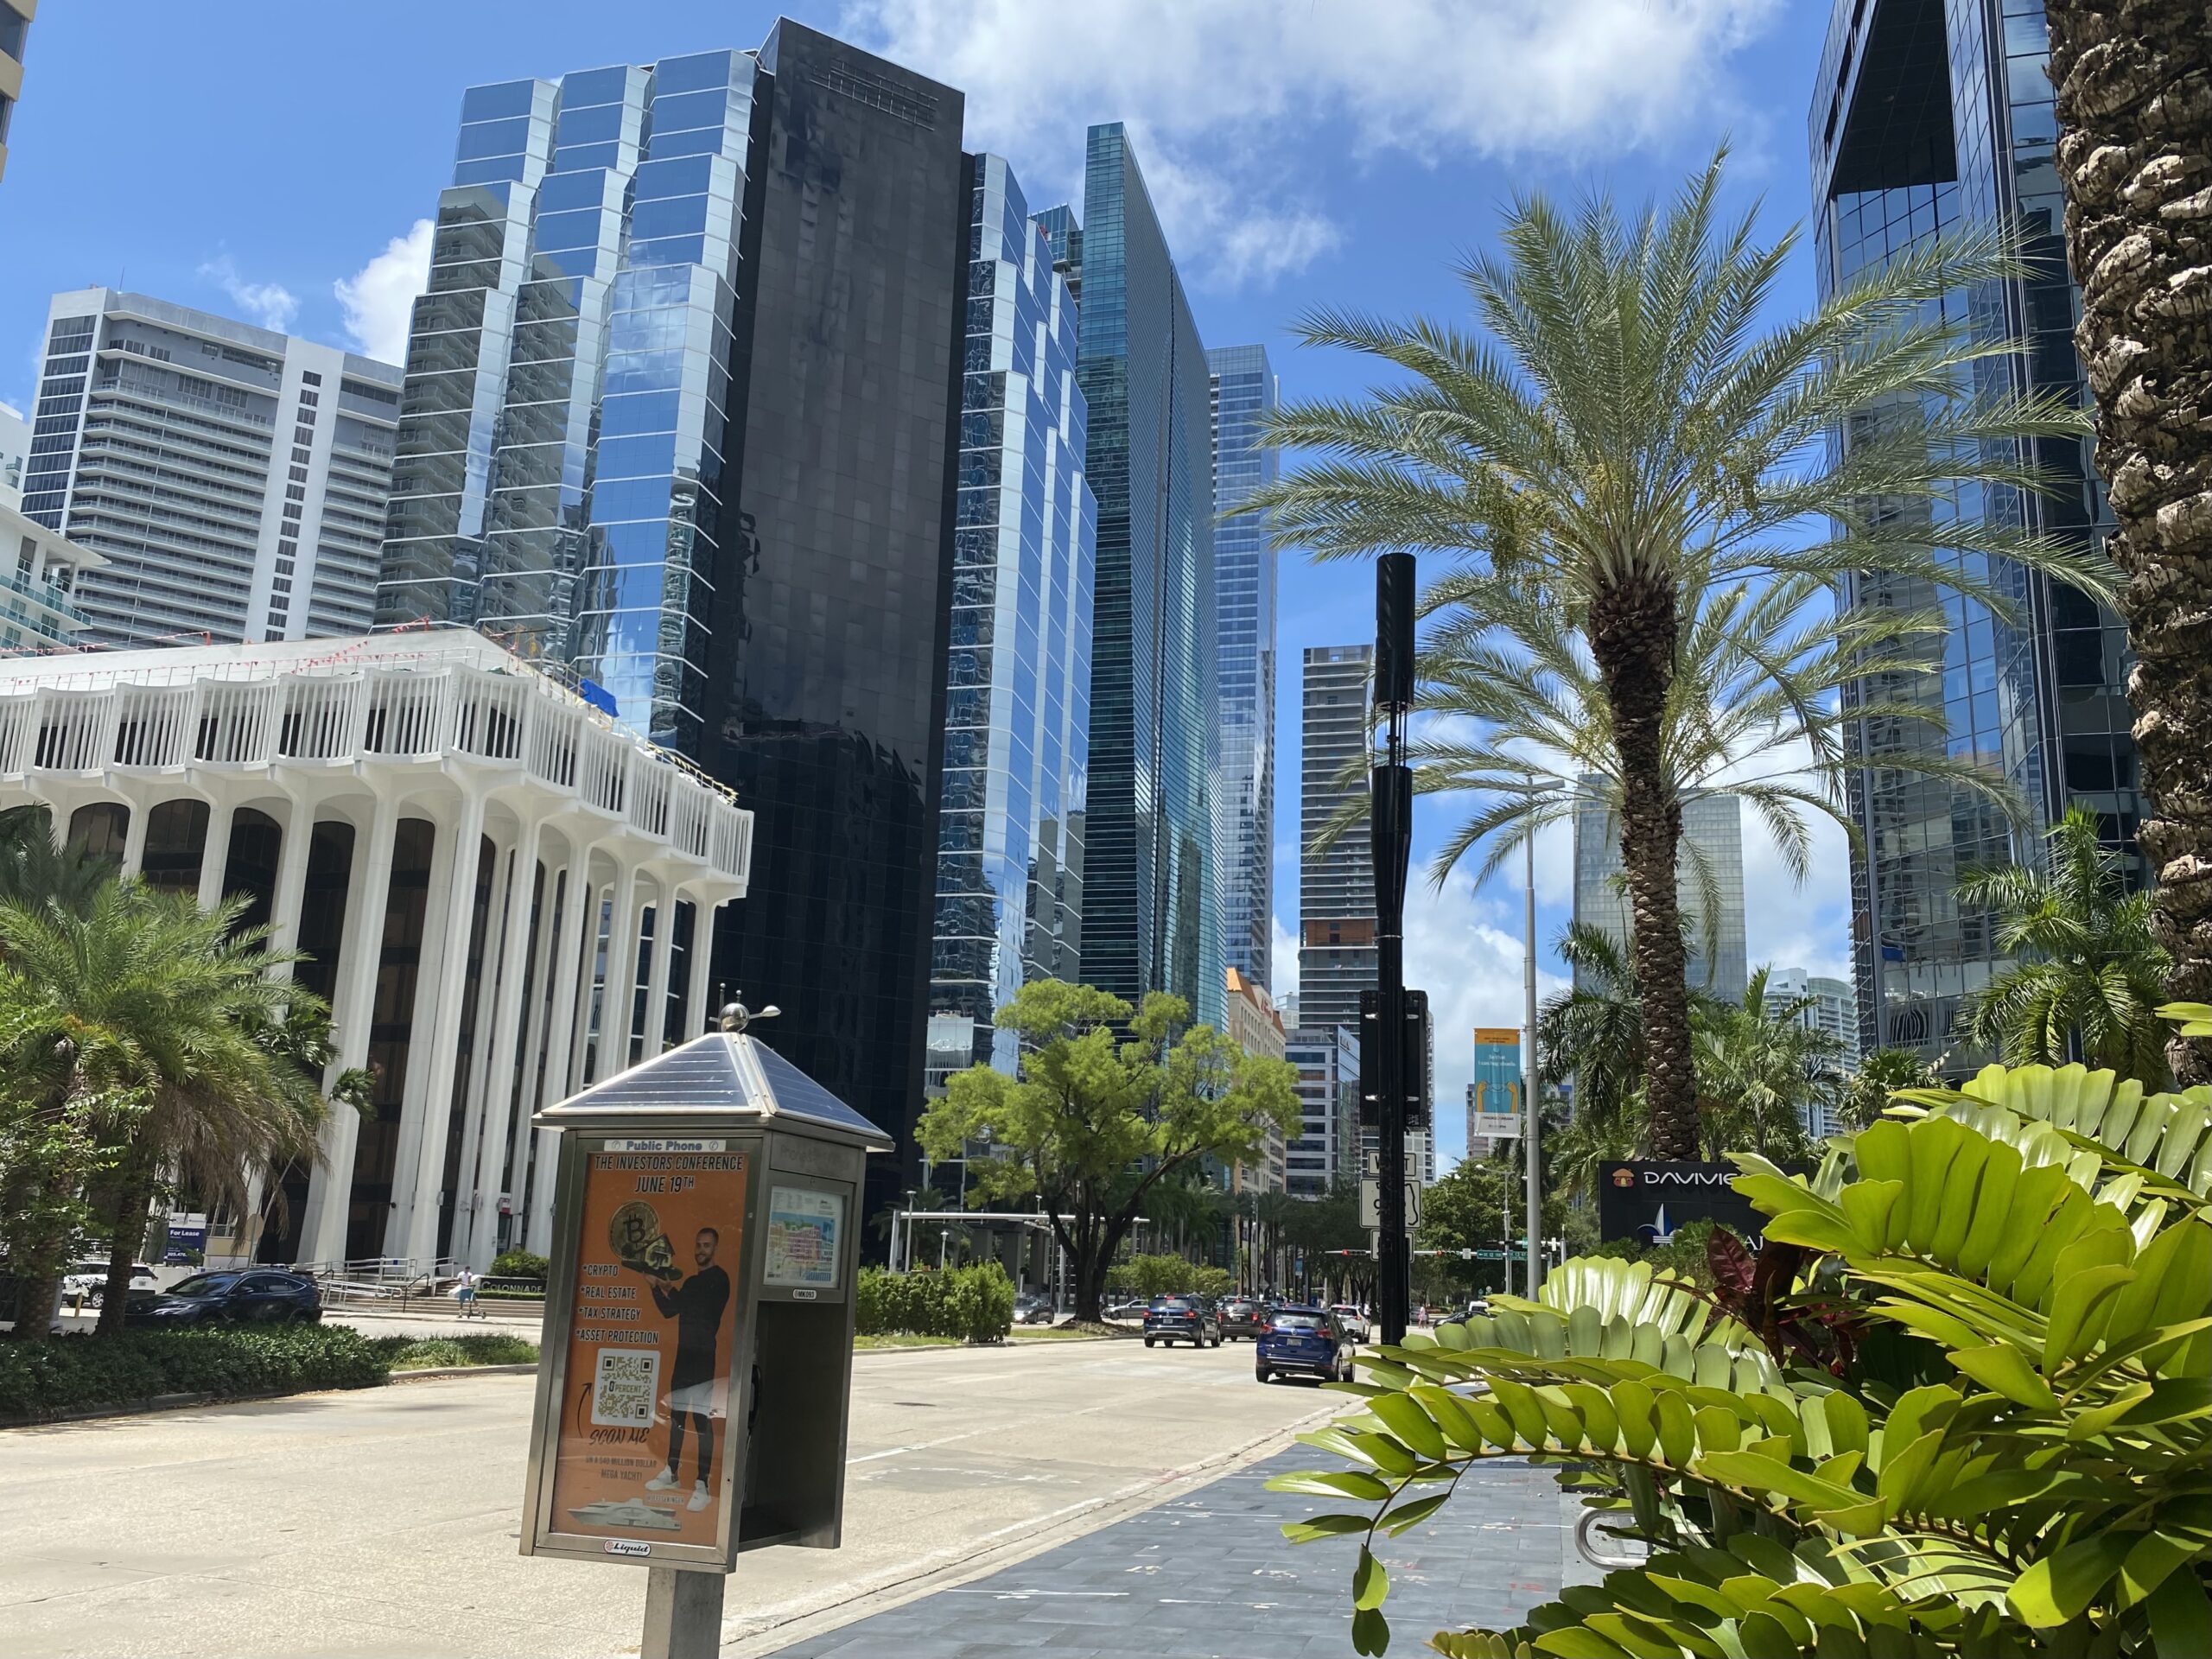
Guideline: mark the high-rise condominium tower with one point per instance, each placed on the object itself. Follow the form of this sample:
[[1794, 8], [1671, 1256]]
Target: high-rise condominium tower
[[1244, 394], [1151, 918], [1929, 116], [1010, 859], [1337, 958], [1712, 850], [688, 417], [15, 26], [233, 478]]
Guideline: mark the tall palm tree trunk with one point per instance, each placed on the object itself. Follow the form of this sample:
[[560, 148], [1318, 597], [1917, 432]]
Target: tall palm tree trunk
[[134, 1196], [2135, 81], [1633, 634]]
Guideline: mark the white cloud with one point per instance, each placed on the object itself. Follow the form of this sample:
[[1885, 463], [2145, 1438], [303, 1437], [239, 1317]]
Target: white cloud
[[378, 300], [270, 304], [1466, 950], [1217, 94]]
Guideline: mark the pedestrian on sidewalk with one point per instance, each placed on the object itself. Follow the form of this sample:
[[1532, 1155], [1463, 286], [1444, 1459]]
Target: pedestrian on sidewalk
[[464, 1291]]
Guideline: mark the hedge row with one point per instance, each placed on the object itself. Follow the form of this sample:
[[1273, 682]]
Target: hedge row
[[79, 1373], [974, 1304]]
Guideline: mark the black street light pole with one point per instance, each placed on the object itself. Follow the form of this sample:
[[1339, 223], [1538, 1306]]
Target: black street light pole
[[1391, 799]]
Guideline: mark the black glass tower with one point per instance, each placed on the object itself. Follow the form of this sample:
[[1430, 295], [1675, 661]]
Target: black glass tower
[[826, 682], [1927, 115]]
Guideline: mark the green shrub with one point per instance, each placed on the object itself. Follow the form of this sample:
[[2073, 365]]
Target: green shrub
[[1167, 1275], [519, 1264], [974, 1304], [477, 1348], [42, 1379]]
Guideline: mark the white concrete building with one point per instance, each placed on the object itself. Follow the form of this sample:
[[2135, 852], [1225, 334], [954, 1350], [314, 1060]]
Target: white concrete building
[[39, 573], [333, 780], [15, 455]]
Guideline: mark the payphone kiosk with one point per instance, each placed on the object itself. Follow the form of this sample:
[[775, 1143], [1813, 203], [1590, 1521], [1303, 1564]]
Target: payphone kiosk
[[697, 1371]]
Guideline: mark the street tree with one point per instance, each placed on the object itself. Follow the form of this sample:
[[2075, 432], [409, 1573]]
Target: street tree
[[1627, 425], [2085, 969], [1109, 1101], [2134, 85]]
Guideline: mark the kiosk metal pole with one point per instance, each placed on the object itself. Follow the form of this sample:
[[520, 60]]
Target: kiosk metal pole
[[683, 1614]]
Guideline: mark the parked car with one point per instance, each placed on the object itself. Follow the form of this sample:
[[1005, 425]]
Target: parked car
[[1349, 1320], [256, 1296], [1304, 1342], [1033, 1309], [1242, 1317], [1182, 1318], [89, 1280]]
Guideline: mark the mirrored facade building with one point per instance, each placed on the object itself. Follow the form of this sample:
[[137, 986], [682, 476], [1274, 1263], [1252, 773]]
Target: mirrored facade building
[[1924, 117], [1712, 851], [1017, 710], [1245, 395], [681, 404], [1151, 915], [232, 479]]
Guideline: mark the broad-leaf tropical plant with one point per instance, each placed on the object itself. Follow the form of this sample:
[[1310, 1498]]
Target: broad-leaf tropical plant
[[2085, 967], [1623, 429], [1999, 1447], [2135, 158]]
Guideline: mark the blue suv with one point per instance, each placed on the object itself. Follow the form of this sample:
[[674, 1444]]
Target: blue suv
[[1303, 1342]]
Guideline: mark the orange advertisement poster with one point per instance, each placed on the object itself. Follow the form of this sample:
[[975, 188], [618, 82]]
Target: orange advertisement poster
[[645, 1417]]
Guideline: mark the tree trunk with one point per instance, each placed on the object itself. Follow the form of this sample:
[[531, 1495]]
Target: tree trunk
[[2135, 81], [1633, 629], [134, 1196]]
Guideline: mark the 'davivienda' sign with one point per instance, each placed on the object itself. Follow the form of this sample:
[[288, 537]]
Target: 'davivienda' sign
[[1648, 1201]]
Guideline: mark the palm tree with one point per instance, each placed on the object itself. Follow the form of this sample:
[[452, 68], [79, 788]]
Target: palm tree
[[2132, 104], [1756, 711], [1868, 1091], [1762, 1070], [2090, 974], [1593, 1033], [1627, 433], [34, 871], [184, 1015]]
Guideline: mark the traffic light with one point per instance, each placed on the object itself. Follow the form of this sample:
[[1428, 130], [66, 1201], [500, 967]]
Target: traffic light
[[1415, 1071]]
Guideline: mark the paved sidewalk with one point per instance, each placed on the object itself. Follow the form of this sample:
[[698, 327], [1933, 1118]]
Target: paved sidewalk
[[1209, 1575]]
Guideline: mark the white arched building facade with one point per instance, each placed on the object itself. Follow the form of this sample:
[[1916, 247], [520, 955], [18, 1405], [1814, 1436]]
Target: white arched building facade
[[502, 893]]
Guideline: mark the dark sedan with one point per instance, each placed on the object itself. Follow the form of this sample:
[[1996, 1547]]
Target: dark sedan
[[256, 1296], [1182, 1318], [1304, 1342]]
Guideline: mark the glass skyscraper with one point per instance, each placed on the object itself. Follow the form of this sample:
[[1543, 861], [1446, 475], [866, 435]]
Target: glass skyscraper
[[1151, 918], [1712, 833], [1927, 117], [1244, 394], [681, 415], [1017, 711]]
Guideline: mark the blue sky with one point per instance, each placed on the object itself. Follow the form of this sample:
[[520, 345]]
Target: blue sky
[[273, 161]]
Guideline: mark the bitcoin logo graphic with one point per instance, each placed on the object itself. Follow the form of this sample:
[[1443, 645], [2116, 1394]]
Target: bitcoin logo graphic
[[636, 1238]]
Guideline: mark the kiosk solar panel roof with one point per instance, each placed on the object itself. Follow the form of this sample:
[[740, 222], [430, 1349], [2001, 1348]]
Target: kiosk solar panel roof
[[801, 1097], [710, 1073]]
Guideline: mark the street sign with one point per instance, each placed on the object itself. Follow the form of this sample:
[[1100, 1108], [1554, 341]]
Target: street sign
[[1370, 1196]]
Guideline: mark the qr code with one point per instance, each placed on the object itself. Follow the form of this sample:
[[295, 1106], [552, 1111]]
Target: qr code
[[623, 1392]]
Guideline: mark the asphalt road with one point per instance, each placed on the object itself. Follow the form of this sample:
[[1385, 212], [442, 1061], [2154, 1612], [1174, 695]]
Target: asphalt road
[[384, 1522]]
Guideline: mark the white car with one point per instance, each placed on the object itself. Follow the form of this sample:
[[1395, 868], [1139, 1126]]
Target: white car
[[1350, 1320], [89, 1280]]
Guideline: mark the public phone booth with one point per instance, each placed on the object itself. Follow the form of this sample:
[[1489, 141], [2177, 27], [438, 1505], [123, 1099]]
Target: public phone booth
[[697, 1371]]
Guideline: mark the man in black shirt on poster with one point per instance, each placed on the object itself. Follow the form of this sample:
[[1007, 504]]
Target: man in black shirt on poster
[[696, 1306]]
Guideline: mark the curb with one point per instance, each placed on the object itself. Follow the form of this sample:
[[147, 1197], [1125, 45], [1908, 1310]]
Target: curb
[[431, 1373], [159, 1402]]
